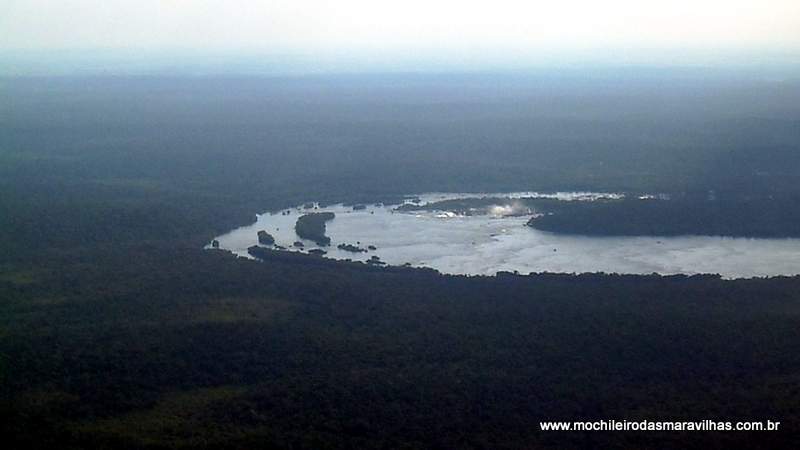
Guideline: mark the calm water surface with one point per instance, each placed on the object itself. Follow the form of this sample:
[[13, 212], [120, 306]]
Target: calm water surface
[[486, 244]]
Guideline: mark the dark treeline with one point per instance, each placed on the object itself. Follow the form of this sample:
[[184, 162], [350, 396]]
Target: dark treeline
[[86, 160], [118, 331], [768, 217], [147, 347]]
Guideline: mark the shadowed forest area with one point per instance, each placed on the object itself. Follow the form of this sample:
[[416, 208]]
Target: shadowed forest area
[[115, 159], [117, 330]]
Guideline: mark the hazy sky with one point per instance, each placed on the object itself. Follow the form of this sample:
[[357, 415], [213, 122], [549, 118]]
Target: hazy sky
[[408, 27], [340, 24]]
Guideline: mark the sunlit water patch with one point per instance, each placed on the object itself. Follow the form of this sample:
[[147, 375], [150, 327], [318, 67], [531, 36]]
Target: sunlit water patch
[[493, 242]]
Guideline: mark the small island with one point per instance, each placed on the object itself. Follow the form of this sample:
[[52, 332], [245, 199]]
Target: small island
[[351, 248], [312, 227], [265, 238]]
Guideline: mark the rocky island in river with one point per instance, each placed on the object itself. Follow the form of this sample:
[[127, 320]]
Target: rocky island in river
[[312, 227]]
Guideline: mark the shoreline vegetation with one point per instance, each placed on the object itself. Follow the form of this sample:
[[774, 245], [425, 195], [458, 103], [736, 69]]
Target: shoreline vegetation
[[237, 335], [747, 218], [120, 331], [703, 215]]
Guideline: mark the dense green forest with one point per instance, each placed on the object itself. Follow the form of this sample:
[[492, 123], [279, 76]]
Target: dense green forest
[[149, 347], [746, 216], [117, 330], [311, 226], [114, 159], [732, 214]]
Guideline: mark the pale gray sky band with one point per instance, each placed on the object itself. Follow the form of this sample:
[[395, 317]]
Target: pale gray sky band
[[456, 30], [410, 24]]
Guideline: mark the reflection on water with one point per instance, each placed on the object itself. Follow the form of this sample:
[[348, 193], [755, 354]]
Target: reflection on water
[[484, 245]]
